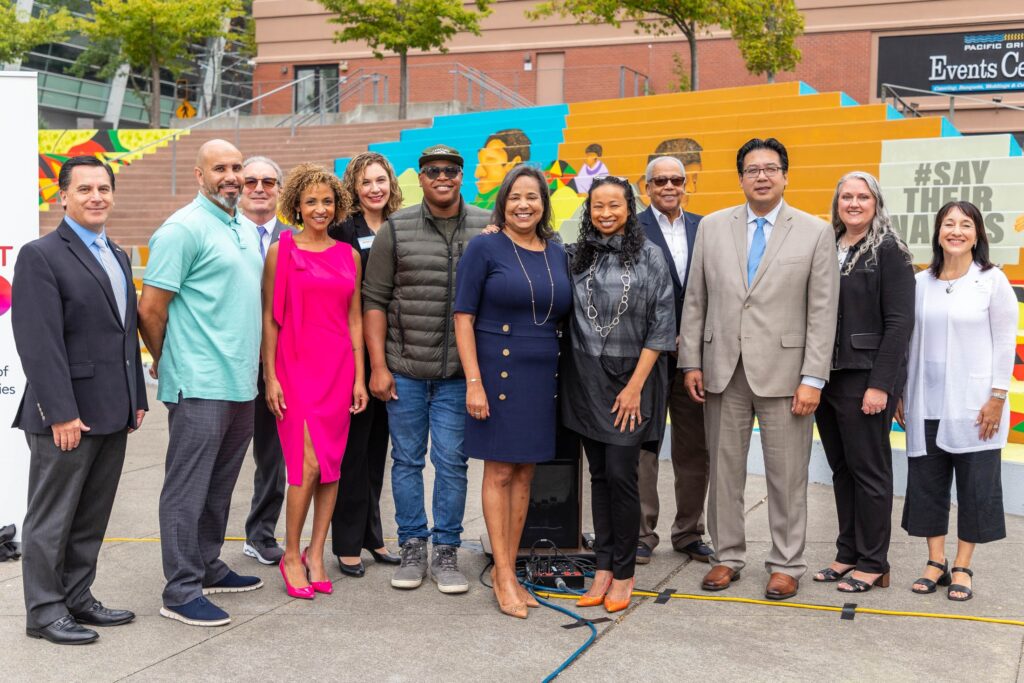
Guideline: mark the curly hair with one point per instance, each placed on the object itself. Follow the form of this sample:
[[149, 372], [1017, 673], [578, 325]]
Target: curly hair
[[881, 225], [354, 172], [544, 230], [300, 179], [632, 237]]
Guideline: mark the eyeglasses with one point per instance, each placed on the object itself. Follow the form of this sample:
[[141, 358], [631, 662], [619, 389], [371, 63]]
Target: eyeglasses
[[434, 172], [663, 180], [769, 171], [268, 183]]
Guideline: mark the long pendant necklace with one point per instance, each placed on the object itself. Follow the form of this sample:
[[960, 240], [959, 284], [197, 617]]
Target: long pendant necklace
[[551, 279], [627, 281]]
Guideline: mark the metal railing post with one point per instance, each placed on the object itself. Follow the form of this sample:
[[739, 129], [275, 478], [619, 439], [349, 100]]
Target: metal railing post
[[622, 82], [174, 166], [323, 97]]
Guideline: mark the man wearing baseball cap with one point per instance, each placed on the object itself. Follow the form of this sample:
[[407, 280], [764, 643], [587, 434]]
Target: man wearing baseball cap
[[410, 336]]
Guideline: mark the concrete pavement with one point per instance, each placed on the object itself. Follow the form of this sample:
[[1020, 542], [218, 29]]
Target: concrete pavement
[[367, 630]]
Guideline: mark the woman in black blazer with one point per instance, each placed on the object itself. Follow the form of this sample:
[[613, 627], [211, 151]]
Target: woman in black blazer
[[869, 369]]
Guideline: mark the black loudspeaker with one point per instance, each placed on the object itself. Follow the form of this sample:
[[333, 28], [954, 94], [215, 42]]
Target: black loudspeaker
[[556, 497]]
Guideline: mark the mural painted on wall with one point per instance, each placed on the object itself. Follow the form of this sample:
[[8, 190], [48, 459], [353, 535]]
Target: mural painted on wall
[[116, 147], [922, 163]]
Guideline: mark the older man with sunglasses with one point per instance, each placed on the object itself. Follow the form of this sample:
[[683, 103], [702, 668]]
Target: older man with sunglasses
[[261, 185], [668, 226], [407, 321]]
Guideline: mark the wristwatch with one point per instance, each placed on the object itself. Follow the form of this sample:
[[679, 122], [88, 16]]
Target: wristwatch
[[1001, 395]]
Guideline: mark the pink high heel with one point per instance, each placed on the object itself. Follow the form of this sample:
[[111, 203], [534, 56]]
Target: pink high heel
[[325, 587], [305, 593]]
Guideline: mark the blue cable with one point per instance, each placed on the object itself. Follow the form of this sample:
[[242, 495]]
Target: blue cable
[[590, 641]]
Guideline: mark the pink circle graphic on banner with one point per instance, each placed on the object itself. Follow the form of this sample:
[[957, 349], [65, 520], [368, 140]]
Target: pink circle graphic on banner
[[5, 295]]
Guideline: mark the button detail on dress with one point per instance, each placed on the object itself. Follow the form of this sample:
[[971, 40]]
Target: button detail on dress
[[505, 327], [501, 397], [504, 374], [505, 352]]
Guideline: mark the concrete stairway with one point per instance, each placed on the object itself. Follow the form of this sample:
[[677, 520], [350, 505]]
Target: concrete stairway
[[143, 197]]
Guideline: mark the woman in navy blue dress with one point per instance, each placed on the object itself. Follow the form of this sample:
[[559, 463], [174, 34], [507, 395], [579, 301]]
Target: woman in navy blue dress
[[512, 291]]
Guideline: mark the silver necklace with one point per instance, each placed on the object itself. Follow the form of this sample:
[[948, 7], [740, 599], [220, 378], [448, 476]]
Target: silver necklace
[[949, 287], [533, 300], [627, 280]]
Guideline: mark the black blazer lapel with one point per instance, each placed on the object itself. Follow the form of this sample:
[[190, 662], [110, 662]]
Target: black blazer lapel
[[692, 221], [653, 232], [91, 264]]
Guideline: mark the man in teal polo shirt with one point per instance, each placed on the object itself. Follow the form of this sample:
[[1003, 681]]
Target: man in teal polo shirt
[[200, 318]]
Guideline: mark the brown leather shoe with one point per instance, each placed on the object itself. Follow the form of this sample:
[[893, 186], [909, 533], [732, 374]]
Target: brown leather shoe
[[719, 578], [781, 586]]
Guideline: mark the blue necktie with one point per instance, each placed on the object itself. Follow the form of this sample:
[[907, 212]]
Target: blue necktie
[[116, 275], [756, 251], [263, 232]]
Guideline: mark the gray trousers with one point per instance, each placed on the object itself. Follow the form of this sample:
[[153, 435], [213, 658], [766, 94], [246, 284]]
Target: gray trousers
[[269, 480], [786, 444], [689, 468], [207, 444], [70, 495]]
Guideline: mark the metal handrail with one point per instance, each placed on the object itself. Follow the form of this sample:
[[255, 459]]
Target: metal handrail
[[636, 81], [487, 84], [891, 90]]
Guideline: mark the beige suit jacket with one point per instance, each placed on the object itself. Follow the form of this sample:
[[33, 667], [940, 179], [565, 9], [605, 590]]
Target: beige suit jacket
[[783, 325]]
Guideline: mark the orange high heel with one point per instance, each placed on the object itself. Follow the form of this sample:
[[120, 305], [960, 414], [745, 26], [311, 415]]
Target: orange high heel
[[619, 605], [593, 600]]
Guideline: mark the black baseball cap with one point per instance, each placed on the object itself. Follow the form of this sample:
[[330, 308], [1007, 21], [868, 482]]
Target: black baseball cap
[[441, 152]]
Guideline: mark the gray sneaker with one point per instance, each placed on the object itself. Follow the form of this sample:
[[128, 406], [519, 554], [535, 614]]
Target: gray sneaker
[[265, 552], [414, 564], [444, 569]]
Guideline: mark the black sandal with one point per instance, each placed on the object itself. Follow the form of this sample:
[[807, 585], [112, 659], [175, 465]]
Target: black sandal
[[831, 575], [929, 585], [960, 588], [858, 586]]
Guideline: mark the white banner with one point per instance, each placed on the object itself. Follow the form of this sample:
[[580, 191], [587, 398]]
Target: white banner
[[19, 176]]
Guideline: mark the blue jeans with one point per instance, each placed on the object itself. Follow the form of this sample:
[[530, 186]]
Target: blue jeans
[[437, 408]]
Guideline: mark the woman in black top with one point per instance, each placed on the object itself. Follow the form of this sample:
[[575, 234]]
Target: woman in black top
[[615, 385], [869, 369], [373, 188]]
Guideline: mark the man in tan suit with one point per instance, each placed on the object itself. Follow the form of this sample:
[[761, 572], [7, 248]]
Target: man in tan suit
[[759, 322]]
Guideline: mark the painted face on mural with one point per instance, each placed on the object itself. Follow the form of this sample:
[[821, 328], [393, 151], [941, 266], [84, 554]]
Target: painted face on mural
[[373, 188], [89, 197], [608, 209], [492, 165], [666, 187], [442, 192], [219, 173], [856, 206], [763, 180], [259, 190], [316, 206]]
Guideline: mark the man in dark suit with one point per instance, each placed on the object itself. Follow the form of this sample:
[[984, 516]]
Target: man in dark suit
[[75, 327], [262, 178], [668, 226]]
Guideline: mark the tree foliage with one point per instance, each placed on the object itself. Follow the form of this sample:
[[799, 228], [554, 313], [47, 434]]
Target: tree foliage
[[765, 32], [150, 35], [19, 34], [398, 26], [656, 17]]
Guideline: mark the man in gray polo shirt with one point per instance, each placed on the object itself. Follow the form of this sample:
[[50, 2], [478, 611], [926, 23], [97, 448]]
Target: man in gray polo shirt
[[200, 318]]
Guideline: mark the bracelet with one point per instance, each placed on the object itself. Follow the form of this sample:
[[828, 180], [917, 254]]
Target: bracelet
[[1001, 395], [472, 379]]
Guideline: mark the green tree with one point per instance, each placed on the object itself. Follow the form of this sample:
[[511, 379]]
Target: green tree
[[657, 17], [765, 32], [401, 25], [150, 35], [20, 32]]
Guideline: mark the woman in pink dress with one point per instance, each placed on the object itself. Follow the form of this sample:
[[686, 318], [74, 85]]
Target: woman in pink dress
[[312, 362]]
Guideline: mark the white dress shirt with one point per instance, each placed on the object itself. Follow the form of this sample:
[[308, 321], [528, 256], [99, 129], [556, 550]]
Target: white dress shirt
[[771, 217], [675, 235], [269, 226]]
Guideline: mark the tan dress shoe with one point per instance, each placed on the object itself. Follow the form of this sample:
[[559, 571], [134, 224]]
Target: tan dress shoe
[[719, 578], [781, 586]]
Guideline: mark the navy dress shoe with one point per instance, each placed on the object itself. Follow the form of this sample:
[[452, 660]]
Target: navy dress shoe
[[197, 612], [234, 583], [698, 550], [98, 615], [64, 631], [643, 554]]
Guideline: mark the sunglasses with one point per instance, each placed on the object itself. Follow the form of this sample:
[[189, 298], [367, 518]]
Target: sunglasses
[[268, 183], [434, 172], [663, 180]]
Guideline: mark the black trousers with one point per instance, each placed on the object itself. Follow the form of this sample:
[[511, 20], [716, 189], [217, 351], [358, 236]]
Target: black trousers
[[356, 521], [858, 451], [269, 480], [615, 504], [70, 495], [979, 492]]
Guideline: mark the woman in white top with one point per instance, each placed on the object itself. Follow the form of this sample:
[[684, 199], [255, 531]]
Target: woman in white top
[[955, 410]]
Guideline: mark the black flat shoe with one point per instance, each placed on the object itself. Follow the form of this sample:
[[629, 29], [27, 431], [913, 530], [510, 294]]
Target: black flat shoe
[[959, 587], [829, 575], [929, 585], [385, 557], [852, 585], [98, 615], [354, 570], [64, 631]]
